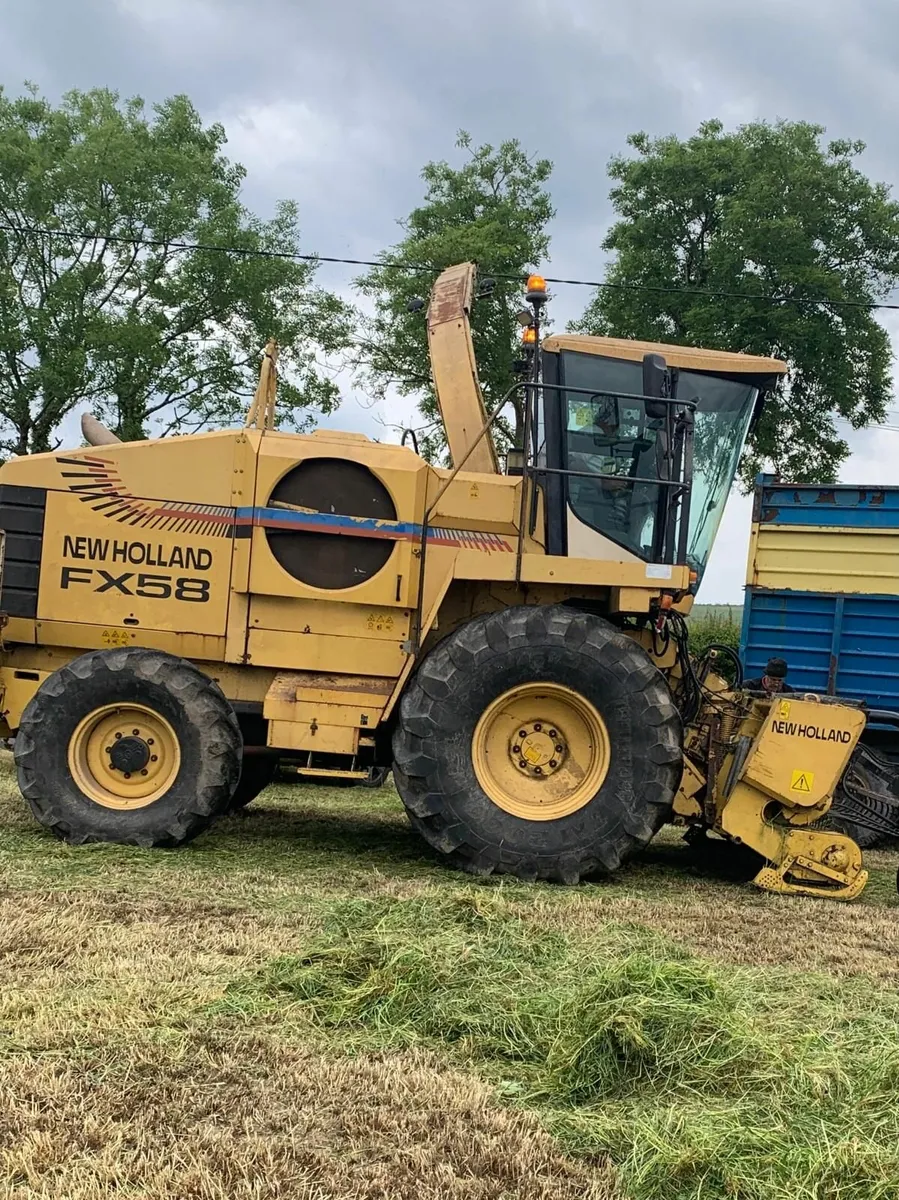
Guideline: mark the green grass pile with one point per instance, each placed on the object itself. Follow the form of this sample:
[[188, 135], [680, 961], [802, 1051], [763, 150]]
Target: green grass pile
[[702, 1081]]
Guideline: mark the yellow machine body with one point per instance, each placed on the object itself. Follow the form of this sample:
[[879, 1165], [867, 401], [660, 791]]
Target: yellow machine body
[[308, 574], [168, 544]]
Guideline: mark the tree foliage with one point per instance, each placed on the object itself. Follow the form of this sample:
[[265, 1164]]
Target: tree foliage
[[767, 210], [493, 210], [108, 308]]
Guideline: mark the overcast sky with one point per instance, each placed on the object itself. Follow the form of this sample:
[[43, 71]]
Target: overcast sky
[[338, 104]]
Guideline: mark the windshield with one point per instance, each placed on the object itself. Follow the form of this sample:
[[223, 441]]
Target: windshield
[[608, 433]]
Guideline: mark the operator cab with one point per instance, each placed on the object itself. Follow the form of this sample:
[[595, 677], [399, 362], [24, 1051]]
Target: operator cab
[[636, 445]]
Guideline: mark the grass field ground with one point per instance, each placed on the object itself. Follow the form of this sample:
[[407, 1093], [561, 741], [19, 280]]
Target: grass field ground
[[304, 1003]]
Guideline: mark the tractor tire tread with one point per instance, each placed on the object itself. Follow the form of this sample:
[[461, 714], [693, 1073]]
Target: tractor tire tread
[[203, 702], [426, 710]]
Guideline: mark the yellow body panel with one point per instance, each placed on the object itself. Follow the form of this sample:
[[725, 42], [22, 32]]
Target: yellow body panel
[[802, 750], [816, 558], [685, 358], [115, 577]]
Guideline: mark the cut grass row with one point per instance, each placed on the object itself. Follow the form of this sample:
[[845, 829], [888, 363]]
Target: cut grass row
[[699, 1081], [304, 1004]]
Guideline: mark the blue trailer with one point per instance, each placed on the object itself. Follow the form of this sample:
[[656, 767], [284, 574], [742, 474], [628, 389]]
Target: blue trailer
[[822, 589]]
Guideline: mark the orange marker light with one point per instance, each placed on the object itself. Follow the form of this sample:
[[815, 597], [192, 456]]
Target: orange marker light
[[536, 283], [529, 335], [666, 603]]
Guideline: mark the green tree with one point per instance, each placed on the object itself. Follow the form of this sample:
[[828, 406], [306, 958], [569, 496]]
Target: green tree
[[109, 308], [767, 210], [493, 210]]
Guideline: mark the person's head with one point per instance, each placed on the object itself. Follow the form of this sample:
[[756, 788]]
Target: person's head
[[775, 674]]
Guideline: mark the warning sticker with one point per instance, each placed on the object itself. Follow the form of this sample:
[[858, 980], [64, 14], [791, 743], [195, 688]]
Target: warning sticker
[[783, 709], [802, 781], [115, 637]]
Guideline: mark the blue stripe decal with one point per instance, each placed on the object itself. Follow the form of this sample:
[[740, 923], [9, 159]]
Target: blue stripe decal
[[370, 526]]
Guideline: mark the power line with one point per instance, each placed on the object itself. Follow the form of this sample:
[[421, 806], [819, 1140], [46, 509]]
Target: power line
[[255, 252]]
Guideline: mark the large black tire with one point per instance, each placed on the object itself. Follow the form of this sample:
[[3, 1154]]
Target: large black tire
[[257, 772], [166, 688], [483, 660]]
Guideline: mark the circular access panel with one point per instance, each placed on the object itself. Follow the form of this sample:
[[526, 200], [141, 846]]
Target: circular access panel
[[331, 560]]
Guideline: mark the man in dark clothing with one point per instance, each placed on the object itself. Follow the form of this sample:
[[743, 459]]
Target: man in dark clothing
[[774, 680]]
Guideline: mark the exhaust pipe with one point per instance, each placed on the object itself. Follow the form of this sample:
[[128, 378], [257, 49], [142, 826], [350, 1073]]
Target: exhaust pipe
[[95, 433]]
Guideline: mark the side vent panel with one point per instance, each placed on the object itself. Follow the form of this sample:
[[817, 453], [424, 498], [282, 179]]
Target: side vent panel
[[22, 520]]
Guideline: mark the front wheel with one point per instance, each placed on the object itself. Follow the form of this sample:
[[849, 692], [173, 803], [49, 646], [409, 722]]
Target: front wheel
[[132, 746], [538, 742]]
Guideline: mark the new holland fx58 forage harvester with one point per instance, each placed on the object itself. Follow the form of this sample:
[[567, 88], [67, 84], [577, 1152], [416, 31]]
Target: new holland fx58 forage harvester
[[180, 614]]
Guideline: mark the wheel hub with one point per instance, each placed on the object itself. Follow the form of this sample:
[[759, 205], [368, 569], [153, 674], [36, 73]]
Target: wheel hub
[[540, 751], [124, 756], [129, 754], [537, 749]]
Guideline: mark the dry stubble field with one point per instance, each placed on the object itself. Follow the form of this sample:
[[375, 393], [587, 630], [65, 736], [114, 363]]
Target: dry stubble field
[[304, 1003]]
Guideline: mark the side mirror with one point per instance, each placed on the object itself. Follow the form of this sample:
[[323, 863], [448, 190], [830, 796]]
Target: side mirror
[[656, 385]]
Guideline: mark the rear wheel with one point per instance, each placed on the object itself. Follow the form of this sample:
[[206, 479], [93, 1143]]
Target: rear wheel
[[132, 746], [539, 742]]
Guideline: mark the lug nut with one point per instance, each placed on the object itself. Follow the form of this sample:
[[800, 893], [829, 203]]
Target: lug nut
[[523, 763], [553, 734], [553, 763], [522, 733], [154, 757], [149, 741], [559, 748], [127, 775], [538, 770], [516, 749], [144, 771], [537, 727], [109, 749], [118, 735], [136, 732]]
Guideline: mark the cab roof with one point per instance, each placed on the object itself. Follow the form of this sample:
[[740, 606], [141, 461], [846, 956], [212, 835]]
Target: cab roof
[[686, 358]]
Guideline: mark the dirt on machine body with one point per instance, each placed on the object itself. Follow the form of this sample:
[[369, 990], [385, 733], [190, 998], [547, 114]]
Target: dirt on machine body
[[180, 615]]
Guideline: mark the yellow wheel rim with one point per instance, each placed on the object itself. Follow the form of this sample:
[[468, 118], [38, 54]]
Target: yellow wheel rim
[[124, 756], [541, 751]]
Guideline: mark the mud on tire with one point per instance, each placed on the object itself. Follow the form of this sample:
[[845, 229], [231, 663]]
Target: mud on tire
[[194, 707], [434, 769]]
